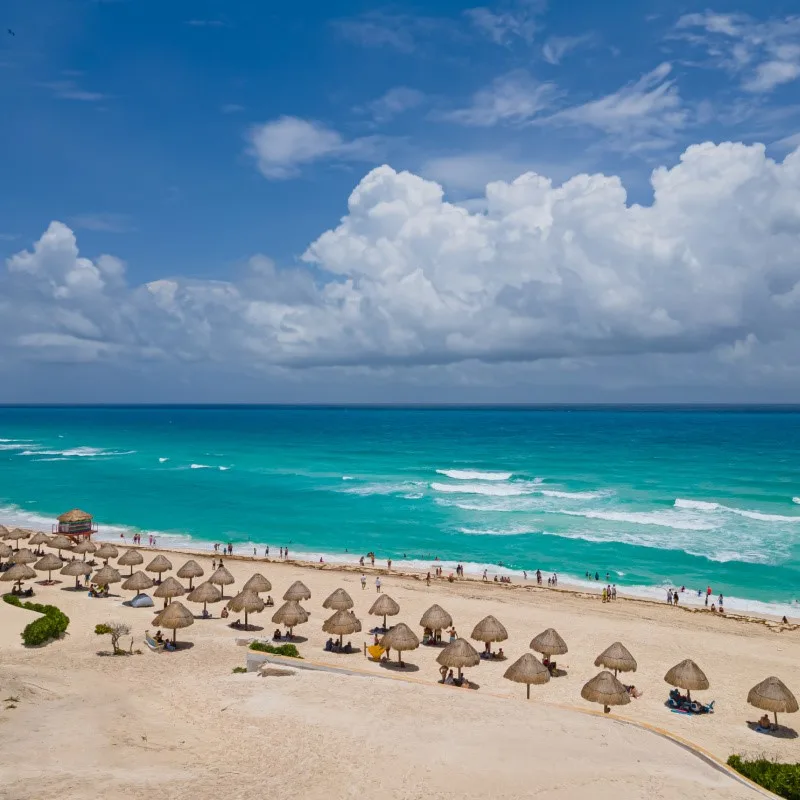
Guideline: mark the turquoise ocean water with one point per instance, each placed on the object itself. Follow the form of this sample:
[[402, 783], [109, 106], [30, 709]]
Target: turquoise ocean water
[[652, 496]]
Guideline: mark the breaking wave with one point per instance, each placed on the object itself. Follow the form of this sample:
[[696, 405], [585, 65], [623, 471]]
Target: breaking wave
[[474, 475]]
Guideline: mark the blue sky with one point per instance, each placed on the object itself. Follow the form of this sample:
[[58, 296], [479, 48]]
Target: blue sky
[[187, 139]]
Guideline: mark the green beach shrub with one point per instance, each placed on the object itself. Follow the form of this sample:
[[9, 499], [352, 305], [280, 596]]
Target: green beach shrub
[[51, 625], [781, 779], [288, 650], [239, 670]]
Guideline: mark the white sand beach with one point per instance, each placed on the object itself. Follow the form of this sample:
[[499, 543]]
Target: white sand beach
[[183, 724]]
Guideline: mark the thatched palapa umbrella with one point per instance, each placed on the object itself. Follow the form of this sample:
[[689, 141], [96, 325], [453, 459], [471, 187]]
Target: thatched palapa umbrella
[[38, 539], [400, 637], [773, 695], [191, 570], [106, 551], [549, 643], [342, 623], [221, 578], [290, 614], [297, 591], [687, 675], [84, 547], [47, 564], [4, 532], [137, 582], [130, 558], [384, 607], [246, 601], [607, 690], [16, 534], [105, 576], [169, 588], [204, 593], [174, 616], [60, 543], [76, 569], [489, 630], [528, 669], [616, 657], [22, 556], [160, 564], [5, 550], [257, 583], [457, 655], [436, 619], [338, 600], [357, 621], [17, 574]]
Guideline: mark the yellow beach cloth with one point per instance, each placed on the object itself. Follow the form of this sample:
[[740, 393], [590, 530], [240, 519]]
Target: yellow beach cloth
[[376, 651]]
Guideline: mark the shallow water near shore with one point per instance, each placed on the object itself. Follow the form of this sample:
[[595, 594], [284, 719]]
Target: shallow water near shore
[[654, 497]]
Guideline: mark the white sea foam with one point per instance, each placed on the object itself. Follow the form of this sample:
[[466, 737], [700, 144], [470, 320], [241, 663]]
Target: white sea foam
[[489, 489], [701, 505], [474, 475], [796, 500], [224, 469], [200, 466], [663, 519], [575, 495], [78, 452], [347, 477], [510, 530], [403, 488], [162, 460]]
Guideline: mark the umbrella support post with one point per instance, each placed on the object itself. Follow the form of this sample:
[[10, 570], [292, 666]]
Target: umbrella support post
[[528, 687]]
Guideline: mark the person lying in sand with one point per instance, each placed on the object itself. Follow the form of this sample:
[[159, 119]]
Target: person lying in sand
[[634, 692]]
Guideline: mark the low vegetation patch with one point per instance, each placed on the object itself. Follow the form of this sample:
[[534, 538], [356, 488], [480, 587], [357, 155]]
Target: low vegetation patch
[[51, 625], [781, 779], [116, 630], [239, 670], [288, 650]]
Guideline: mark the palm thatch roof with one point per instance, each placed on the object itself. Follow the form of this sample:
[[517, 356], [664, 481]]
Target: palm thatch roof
[[5, 550], [159, 564], [39, 537], [400, 637], [459, 654], [772, 694], [291, 613], [616, 657], [257, 583], [23, 556], [606, 690], [204, 593], [105, 576], [356, 620], [297, 591], [549, 643], [106, 551], [221, 577], [86, 546], [174, 616], [489, 630], [168, 588], [60, 542], [75, 515], [137, 582], [18, 573], [436, 619], [130, 558], [48, 563], [687, 675], [3, 532], [528, 669], [384, 606], [75, 569], [247, 601], [342, 623], [338, 600], [191, 569], [18, 533]]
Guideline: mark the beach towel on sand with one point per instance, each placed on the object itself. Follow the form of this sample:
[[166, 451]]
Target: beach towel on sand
[[376, 651]]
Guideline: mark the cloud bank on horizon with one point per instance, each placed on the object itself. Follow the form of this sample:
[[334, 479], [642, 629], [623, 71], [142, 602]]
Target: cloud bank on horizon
[[544, 210], [545, 272]]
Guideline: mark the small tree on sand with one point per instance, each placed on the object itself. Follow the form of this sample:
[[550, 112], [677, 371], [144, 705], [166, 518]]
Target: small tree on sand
[[116, 630]]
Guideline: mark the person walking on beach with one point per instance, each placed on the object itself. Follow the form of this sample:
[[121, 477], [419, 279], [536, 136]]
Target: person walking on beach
[[485, 575], [605, 596], [389, 563], [378, 584], [363, 582], [669, 597]]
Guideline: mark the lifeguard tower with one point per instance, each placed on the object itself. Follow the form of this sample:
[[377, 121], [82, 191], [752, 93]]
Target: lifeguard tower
[[75, 524]]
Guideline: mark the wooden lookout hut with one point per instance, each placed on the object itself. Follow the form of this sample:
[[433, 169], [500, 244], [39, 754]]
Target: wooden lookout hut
[[75, 524]]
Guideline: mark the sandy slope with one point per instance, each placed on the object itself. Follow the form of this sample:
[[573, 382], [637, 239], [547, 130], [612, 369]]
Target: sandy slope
[[137, 725]]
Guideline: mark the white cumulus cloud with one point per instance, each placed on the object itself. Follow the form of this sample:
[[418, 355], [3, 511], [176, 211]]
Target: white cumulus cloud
[[548, 271]]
